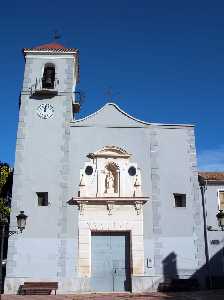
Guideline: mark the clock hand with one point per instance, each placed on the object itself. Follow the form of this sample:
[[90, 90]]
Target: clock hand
[[45, 108]]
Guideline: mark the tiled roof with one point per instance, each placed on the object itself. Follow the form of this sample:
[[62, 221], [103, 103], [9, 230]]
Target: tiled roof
[[55, 47], [212, 176], [50, 46]]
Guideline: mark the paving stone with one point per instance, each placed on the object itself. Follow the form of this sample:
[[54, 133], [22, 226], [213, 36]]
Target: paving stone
[[202, 295]]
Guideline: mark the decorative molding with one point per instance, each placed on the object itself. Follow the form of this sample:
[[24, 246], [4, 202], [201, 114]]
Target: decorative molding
[[136, 124], [110, 152], [110, 202], [110, 175], [138, 207], [110, 225], [110, 206], [82, 181], [101, 200], [81, 205], [137, 243]]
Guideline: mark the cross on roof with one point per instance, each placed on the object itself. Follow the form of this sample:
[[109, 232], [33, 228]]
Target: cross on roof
[[56, 35], [110, 95]]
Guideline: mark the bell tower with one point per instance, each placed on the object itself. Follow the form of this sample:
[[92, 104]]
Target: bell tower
[[41, 171], [51, 70]]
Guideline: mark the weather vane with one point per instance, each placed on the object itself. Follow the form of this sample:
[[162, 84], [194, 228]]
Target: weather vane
[[56, 35]]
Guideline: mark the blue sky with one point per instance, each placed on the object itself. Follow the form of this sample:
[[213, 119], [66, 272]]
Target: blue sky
[[163, 59]]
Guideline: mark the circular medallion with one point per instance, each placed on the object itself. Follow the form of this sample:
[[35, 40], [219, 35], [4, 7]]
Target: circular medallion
[[89, 170], [132, 171]]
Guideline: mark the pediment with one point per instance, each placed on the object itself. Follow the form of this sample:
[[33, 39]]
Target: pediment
[[110, 151], [110, 115]]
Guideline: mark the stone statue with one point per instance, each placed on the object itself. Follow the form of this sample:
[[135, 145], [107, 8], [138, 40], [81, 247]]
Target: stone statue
[[109, 183]]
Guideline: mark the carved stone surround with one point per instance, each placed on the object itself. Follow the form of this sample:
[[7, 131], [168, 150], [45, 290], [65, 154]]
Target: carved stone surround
[[110, 199], [98, 218], [109, 202], [110, 173]]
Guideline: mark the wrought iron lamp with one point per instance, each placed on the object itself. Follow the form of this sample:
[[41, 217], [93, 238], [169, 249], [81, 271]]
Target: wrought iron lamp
[[220, 218], [21, 224], [21, 221]]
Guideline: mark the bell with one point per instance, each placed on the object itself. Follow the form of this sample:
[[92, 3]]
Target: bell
[[48, 81], [49, 77]]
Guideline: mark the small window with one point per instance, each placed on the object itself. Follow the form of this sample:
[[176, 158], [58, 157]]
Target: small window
[[221, 200], [180, 200], [42, 199]]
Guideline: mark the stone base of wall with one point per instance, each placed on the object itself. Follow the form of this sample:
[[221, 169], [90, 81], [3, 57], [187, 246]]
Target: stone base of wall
[[80, 285], [65, 286], [145, 283], [69, 286]]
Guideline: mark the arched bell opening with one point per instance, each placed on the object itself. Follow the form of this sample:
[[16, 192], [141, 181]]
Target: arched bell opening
[[48, 76]]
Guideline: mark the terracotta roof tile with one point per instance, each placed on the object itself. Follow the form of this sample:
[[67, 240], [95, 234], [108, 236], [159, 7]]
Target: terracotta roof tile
[[50, 46], [212, 176], [55, 47]]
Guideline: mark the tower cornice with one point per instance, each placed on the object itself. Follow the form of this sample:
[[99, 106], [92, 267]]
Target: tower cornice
[[51, 48]]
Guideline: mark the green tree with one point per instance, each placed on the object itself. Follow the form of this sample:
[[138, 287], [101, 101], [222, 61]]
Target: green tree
[[5, 189]]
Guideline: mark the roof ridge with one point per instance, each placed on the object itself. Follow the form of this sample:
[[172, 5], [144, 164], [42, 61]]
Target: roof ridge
[[144, 123]]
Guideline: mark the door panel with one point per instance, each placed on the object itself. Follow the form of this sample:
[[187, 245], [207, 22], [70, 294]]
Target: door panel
[[110, 261]]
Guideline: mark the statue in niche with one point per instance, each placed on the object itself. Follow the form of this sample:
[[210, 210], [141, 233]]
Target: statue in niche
[[109, 183]]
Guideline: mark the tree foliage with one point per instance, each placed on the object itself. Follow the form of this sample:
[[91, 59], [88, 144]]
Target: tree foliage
[[5, 189]]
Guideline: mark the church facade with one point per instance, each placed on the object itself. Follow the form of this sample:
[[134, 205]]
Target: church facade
[[113, 202]]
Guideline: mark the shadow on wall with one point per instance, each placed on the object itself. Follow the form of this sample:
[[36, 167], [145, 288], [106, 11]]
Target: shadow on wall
[[209, 276], [170, 267], [172, 282]]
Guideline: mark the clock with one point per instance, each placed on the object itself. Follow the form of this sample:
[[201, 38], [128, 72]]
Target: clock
[[45, 111]]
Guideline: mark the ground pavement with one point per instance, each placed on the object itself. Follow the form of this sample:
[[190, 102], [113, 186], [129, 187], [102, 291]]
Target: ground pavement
[[202, 295]]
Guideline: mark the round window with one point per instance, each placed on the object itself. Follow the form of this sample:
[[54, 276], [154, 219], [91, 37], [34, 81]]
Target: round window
[[132, 171], [89, 170]]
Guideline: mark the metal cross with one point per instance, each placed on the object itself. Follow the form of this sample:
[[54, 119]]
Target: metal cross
[[110, 95], [56, 35]]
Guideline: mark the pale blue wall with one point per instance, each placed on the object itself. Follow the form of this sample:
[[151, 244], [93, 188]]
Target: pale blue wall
[[216, 249], [49, 155]]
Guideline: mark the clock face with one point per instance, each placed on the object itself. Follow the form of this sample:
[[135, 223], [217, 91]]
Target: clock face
[[45, 111]]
